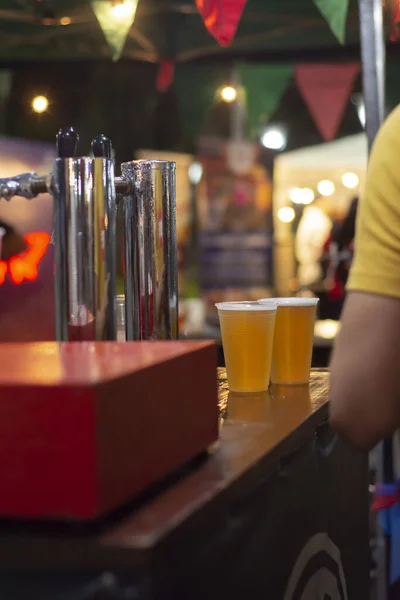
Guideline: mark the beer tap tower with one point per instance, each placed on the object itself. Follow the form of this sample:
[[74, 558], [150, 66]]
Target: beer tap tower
[[86, 193], [84, 427]]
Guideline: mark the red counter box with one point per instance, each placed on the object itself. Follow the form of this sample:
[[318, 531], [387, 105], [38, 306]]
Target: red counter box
[[86, 426]]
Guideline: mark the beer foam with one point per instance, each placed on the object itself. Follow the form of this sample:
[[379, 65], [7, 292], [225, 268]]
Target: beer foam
[[243, 305], [291, 301]]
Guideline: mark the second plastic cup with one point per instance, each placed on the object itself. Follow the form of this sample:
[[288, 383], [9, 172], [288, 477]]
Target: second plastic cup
[[247, 330], [293, 340]]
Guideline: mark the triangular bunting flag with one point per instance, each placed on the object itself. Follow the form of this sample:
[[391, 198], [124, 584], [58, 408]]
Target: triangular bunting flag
[[115, 20], [335, 12], [264, 87], [326, 90], [395, 22], [165, 76], [196, 89], [221, 17]]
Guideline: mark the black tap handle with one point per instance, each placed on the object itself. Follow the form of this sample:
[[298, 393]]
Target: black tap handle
[[102, 147], [67, 142]]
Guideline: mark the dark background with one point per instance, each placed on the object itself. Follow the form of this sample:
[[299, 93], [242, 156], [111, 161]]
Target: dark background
[[120, 100]]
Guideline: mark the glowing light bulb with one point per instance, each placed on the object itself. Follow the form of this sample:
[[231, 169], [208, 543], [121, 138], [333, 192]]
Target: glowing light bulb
[[326, 187], [228, 94], [123, 10], [301, 195], [195, 172], [274, 138], [327, 329], [286, 214], [296, 195], [350, 180], [308, 195], [40, 104]]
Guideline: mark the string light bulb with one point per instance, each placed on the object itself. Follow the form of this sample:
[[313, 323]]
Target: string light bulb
[[40, 104], [195, 172], [228, 93], [308, 195], [123, 10], [274, 138], [301, 195], [326, 187], [296, 195], [286, 214], [350, 180]]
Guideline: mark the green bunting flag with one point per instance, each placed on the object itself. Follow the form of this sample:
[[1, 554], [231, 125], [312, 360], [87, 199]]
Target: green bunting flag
[[264, 86], [335, 12], [115, 20], [196, 87]]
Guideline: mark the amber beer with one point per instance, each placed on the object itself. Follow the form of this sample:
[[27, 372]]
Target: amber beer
[[293, 340], [247, 330]]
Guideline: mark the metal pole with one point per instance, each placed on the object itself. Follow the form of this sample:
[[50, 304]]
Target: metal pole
[[373, 64], [372, 38], [237, 113], [373, 70]]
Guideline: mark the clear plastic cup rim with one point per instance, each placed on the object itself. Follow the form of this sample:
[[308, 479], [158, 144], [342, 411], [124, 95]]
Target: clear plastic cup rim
[[247, 306], [291, 301]]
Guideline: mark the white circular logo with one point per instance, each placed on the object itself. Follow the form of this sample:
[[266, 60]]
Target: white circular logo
[[318, 572]]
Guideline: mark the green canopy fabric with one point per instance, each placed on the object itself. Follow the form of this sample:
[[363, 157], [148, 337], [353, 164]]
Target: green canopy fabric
[[171, 29]]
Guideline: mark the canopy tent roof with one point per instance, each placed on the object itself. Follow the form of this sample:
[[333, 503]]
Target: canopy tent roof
[[349, 152], [305, 167], [171, 29]]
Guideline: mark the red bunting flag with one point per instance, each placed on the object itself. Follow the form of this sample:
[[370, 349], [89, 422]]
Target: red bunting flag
[[326, 90], [221, 17], [165, 75], [394, 36]]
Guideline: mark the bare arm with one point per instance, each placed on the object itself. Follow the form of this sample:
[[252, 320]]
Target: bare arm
[[365, 370]]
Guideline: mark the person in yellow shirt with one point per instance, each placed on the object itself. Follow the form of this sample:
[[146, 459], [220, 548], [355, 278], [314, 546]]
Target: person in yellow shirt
[[365, 367]]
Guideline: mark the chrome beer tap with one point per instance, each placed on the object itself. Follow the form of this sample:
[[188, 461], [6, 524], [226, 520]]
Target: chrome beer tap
[[86, 193]]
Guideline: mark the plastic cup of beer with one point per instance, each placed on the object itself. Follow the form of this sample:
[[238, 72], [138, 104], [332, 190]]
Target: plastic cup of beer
[[293, 340], [247, 330]]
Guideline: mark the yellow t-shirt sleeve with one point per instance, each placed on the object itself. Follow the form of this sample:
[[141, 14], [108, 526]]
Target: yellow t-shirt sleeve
[[376, 265]]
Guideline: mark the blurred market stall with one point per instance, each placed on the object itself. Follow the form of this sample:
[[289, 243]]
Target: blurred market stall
[[313, 189]]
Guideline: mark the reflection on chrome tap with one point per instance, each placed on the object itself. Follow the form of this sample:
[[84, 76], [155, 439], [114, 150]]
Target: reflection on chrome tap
[[150, 251], [85, 199], [84, 231]]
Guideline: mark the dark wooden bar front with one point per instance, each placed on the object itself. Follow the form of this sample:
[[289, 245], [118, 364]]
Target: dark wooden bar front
[[279, 510]]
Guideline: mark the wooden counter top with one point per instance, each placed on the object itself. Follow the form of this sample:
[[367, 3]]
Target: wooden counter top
[[259, 430]]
